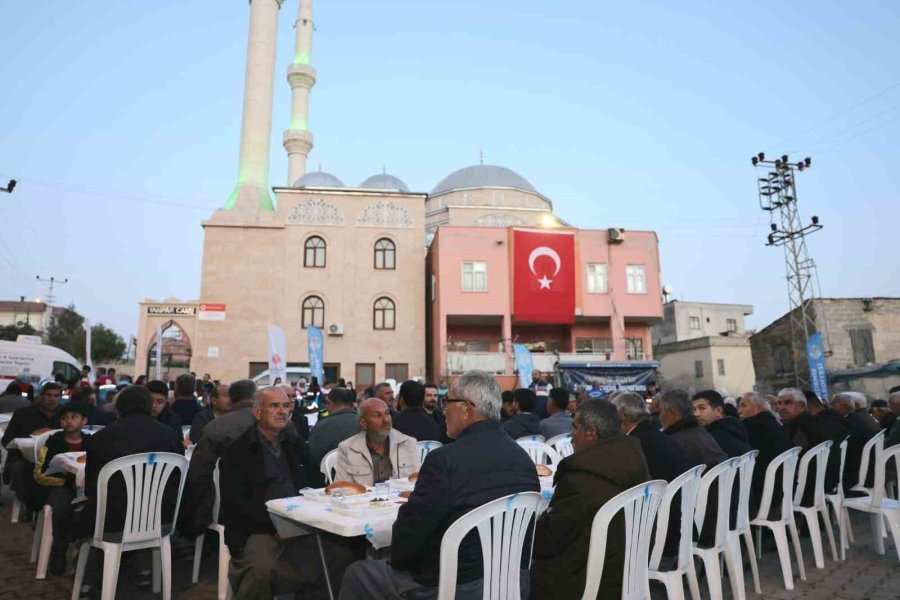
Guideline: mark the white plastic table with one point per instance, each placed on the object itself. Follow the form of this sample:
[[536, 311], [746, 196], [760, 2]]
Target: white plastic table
[[68, 462]]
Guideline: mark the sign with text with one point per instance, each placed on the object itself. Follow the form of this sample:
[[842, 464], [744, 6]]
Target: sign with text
[[815, 356], [186, 311], [211, 311]]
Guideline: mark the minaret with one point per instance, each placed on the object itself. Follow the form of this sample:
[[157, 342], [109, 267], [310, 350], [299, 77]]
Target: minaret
[[298, 141], [252, 189]]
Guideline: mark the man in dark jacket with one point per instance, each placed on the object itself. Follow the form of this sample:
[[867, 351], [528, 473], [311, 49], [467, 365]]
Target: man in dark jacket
[[341, 423], [483, 464], [676, 415], [830, 426], [861, 427], [159, 406], [185, 403], [87, 398], [605, 463], [219, 404], [265, 463], [412, 419], [709, 408], [523, 422], [791, 405], [12, 399], [769, 437], [19, 468]]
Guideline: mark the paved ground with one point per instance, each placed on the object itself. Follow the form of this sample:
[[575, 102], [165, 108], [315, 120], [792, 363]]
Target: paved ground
[[864, 575]]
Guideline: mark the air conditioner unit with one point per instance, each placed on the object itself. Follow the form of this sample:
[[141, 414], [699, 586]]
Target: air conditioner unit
[[615, 235], [335, 329]]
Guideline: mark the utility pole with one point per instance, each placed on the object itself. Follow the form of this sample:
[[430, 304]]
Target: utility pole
[[9, 187], [778, 196], [51, 283]]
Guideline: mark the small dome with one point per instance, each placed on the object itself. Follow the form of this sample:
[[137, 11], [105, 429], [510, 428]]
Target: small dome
[[482, 176], [318, 179], [383, 181]]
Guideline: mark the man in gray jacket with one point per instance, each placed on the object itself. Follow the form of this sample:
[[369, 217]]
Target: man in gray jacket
[[340, 424]]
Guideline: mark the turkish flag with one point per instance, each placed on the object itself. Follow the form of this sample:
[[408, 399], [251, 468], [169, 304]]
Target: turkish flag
[[544, 276]]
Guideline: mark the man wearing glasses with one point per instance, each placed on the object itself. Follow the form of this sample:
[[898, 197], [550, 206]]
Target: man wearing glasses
[[483, 464]]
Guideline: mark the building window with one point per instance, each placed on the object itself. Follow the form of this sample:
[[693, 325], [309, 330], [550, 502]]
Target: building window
[[596, 278], [634, 348], [782, 358], [694, 323], [385, 253], [365, 375], [720, 363], [731, 325], [383, 314], [637, 284], [313, 312], [474, 276], [314, 256], [698, 369], [399, 372], [863, 349], [593, 345]]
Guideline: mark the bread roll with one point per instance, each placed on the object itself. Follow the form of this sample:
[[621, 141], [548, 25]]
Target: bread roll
[[350, 488], [405, 494], [543, 470], [413, 477], [82, 458], [40, 431]]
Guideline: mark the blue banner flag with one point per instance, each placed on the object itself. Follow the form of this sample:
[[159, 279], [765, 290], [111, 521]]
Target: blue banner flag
[[815, 356], [524, 364], [316, 353]]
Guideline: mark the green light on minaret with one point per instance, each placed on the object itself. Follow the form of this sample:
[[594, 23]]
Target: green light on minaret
[[263, 199], [302, 58], [298, 123]]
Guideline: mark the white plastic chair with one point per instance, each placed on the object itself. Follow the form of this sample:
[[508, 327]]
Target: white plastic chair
[[43, 526], [224, 554], [426, 446], [723, 476], [326, 467], [787, 462], [562, 444], [819, 456], [876, 443], [531, 438], [688, 483], [836, 500], [878, 505], [639, 505], [145, 478], [540, 452], [742, 522], [503, 525]]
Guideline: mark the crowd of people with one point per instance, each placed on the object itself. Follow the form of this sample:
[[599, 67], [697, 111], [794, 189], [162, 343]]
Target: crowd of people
[[265, 449]]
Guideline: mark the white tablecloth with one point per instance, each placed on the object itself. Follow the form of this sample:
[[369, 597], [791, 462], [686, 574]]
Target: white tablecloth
[[68, 462], [300, 514]]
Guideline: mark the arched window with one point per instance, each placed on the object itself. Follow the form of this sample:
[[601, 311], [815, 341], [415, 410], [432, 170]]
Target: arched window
[[383, 314], [314, 256], [385, 253], [313, 312]]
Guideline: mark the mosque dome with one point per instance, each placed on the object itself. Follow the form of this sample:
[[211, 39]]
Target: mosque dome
[[383, 181], [318, 179], [483, 176]]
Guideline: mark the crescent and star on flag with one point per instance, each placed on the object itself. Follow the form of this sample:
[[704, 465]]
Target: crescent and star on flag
[[550, 253]]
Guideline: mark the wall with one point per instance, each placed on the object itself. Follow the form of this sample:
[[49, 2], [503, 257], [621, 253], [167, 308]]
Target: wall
[[713, 320], [678, 370]]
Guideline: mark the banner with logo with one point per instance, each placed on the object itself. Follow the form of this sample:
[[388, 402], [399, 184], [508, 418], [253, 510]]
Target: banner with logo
[[316, 344], [524, 363], [87, 350], [608, 376], [277, 353], [159, 342], [544, 276], [815, 356]]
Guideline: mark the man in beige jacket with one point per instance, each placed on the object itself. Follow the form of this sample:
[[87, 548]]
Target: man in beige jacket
[[378, 452]]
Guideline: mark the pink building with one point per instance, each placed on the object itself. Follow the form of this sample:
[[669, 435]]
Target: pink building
[[471, 301]]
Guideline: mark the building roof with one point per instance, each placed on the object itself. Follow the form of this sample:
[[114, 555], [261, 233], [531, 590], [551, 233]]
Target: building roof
[[383, 181], [318, 179], [477, 176], [18, 306], [747, 309]]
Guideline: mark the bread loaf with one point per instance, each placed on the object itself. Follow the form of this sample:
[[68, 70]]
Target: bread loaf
[[413, 477], [350, 488], [543, 470]]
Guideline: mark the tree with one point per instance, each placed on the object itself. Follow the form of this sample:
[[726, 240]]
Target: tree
[[11, 332], [66, 332]]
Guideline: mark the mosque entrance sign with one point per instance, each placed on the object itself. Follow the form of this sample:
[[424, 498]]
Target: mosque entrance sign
[[184, 311]]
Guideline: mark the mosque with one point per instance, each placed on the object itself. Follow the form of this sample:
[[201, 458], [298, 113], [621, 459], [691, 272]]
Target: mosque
[[402, 283]]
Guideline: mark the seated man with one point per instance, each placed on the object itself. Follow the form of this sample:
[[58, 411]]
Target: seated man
[[219, 404], [676, 415], [185, 403], [483, 464], [87, 398], [378, 452], [860, 428], [709, 408], [605, 463], [340, 424], [159, 393], [830, 426], [265, 463], [19, 469], [58, 490], [522, 422], [412, 419], [766, 435], [799, 424], [560, 421]]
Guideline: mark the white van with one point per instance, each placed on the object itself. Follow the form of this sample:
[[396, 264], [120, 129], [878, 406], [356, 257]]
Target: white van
[[34, 361]]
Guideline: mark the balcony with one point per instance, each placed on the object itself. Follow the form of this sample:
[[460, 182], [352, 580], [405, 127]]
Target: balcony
[[495, 362]]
